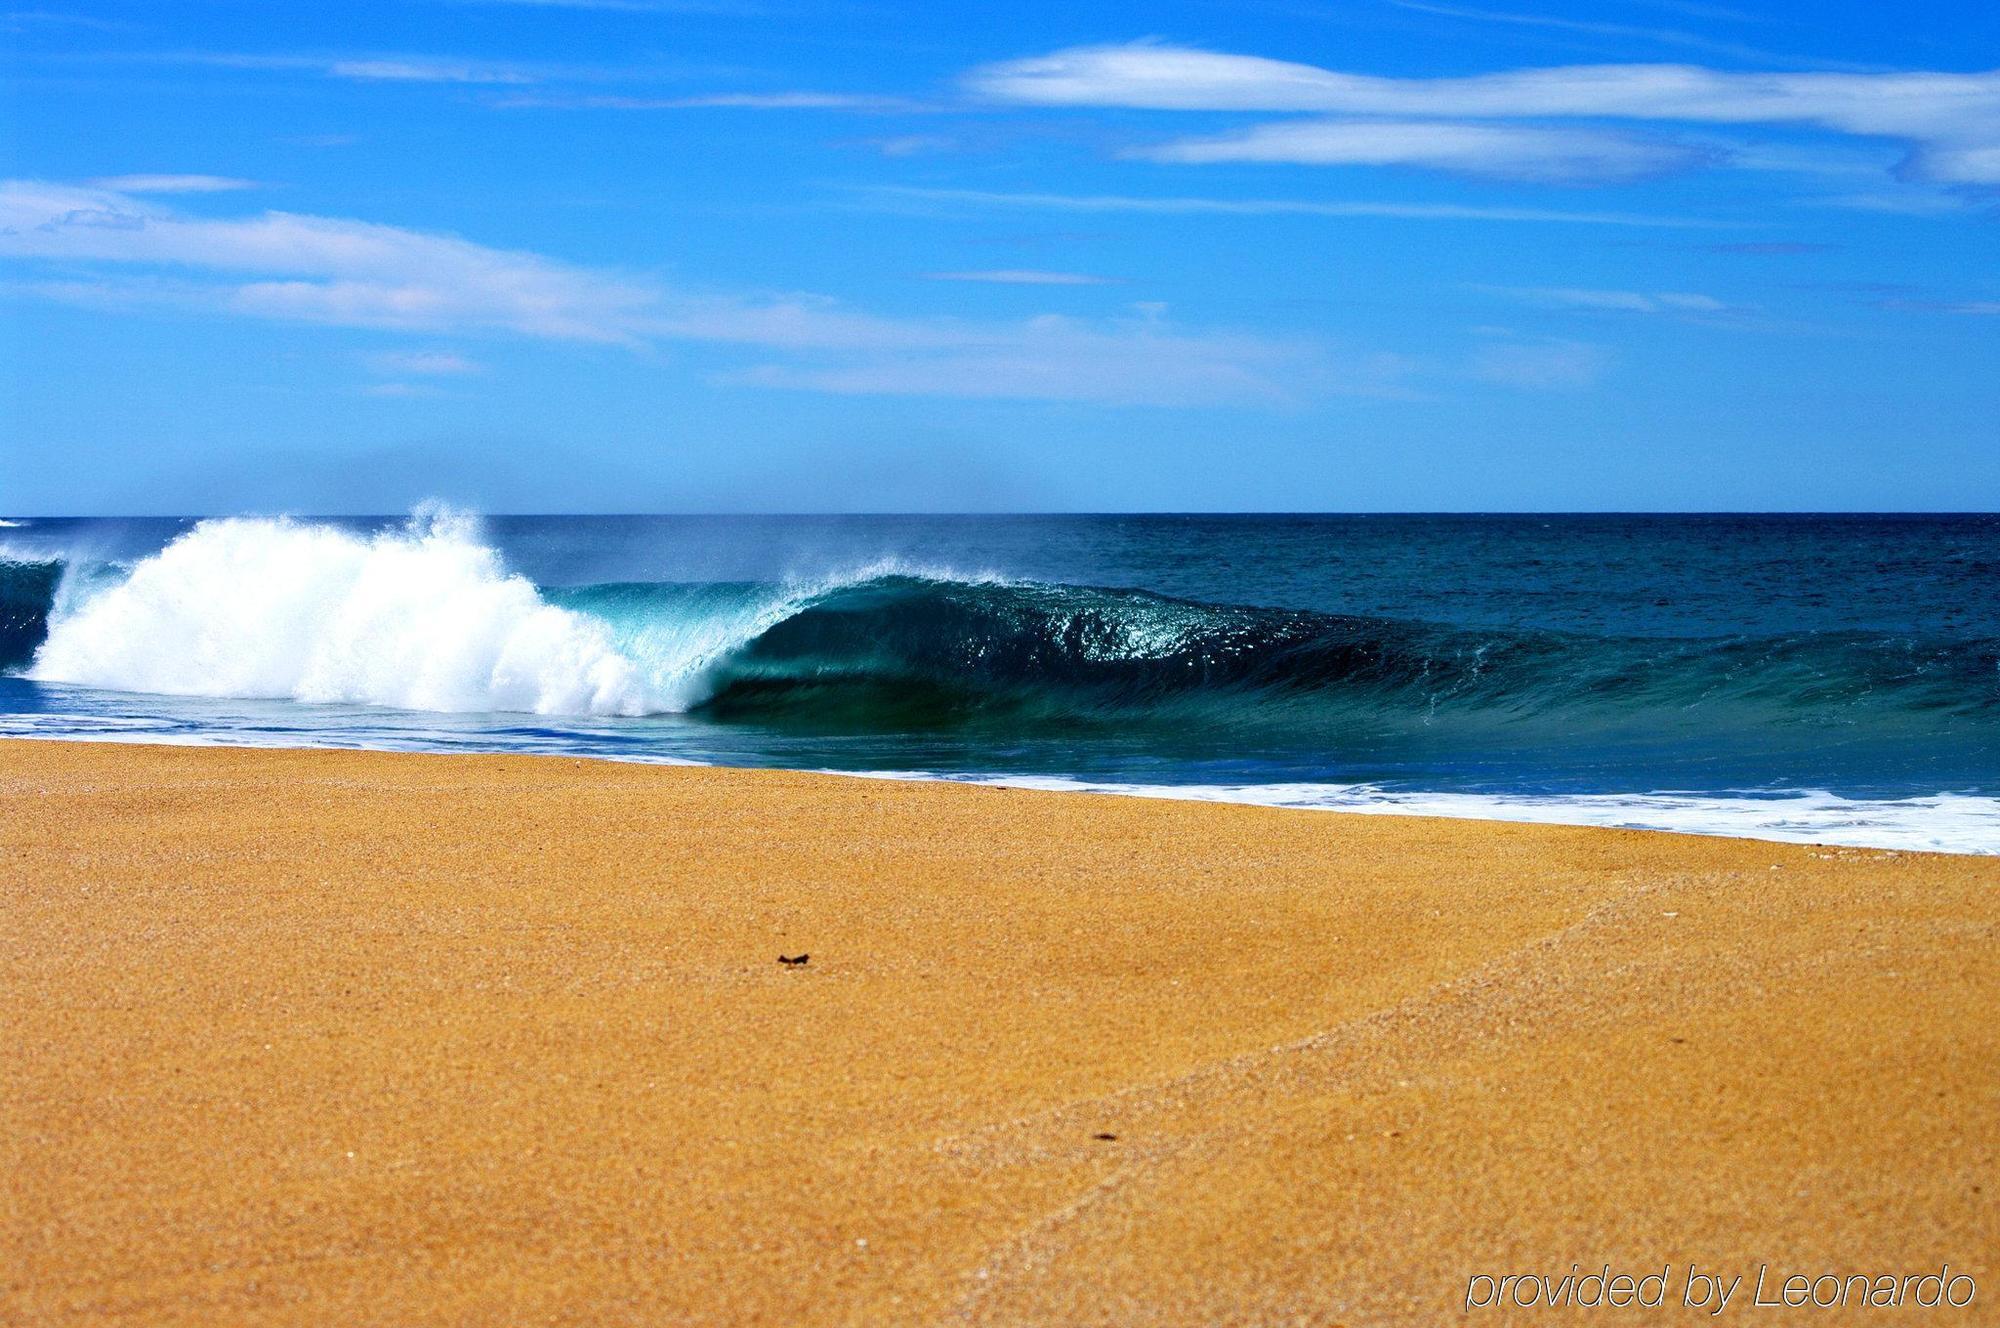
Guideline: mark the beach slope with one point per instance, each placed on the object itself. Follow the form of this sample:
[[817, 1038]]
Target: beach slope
[[361, 1038]]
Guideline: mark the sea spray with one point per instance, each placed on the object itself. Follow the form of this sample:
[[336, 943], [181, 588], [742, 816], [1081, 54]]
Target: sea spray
[[420, 617]]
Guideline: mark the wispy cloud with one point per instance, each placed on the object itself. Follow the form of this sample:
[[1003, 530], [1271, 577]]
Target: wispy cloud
[[633, 6], [374, 68], [1560, 156], [1951, 121], [320, 268], [1015, 276], [750, 101], [1772, 248], [427, 70], [1903, 203], [1126, 362], [425, 363], [1540, 366], [1864, 160], [27, 20], [117, 250], [1962, 308], [172, 184], [1672, 37], [1697, 9], [913, 145], [1273, 207], [1616, 301]]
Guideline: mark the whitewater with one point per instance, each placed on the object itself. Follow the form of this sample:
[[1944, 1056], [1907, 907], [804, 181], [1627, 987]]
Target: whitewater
[[422, 619], [423, 616]]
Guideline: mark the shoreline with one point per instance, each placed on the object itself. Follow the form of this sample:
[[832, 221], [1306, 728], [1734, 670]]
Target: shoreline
[[315, 1035], [1710, 816]]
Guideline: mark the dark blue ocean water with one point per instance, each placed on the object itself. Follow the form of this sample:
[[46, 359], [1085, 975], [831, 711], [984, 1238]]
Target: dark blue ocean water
[[1832, 678]]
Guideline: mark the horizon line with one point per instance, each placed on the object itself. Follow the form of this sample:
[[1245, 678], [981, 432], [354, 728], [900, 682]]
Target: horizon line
[[284, 513]]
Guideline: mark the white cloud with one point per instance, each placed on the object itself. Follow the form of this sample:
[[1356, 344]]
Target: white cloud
[[1963, 308], [913, 145], [24, 20], [1277, 207], [359, 274], [172, 184], [1015, 276], [426, 70], [370, 68], [748, 101], [1504, 151], [1843, 161], [1904, 203], [1620, 301], [324, 269], [1540, 366], [1952, 119], [1979, 161], [425, 363]]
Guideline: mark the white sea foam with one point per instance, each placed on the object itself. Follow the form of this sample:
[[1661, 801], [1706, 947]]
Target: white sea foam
[[1940, 823], [425, 617], [61, 725]]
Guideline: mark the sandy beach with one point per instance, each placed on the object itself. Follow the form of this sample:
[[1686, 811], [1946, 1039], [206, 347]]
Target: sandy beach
[[358, 1038]]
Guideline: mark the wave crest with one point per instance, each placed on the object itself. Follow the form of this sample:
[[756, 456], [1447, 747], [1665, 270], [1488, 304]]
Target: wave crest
[[424, 617]]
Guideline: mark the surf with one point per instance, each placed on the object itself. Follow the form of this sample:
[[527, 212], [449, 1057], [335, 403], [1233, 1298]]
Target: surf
[[421, 617], [428, 616]]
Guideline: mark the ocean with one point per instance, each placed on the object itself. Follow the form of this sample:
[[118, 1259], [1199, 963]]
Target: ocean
[[1821, 678]]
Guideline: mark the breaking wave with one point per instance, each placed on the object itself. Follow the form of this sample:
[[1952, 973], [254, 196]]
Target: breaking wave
[[422, 618], [428, 617]]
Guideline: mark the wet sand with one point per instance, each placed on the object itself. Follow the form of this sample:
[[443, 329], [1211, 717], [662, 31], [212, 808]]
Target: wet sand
[[358, 1038]]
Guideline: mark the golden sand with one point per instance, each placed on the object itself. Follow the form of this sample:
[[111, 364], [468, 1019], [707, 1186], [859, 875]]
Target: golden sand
[[352, 1038]]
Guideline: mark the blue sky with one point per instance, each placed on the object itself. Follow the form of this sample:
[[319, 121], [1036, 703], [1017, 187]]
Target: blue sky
[[700, 255]]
